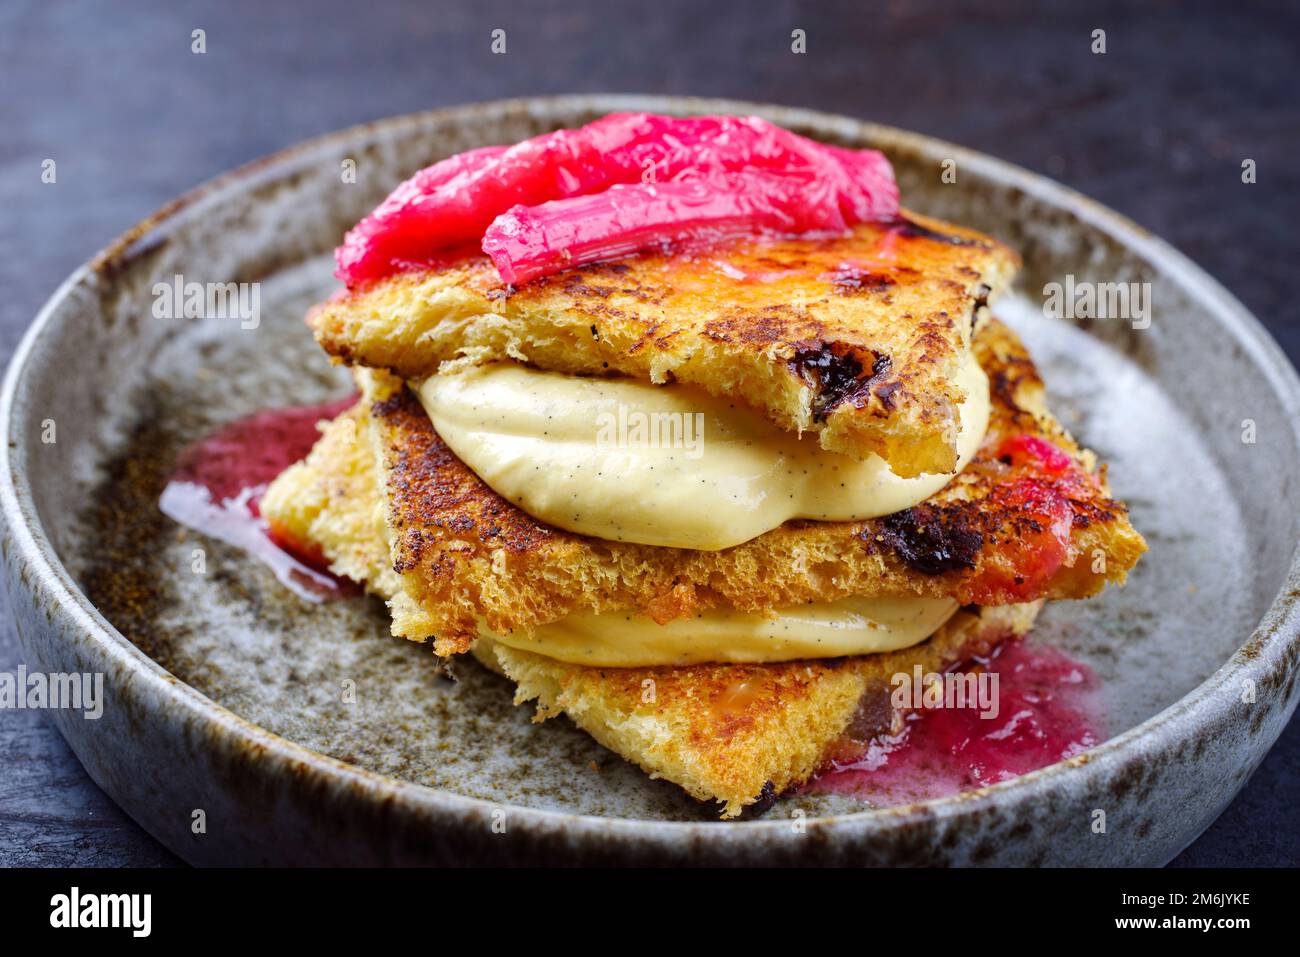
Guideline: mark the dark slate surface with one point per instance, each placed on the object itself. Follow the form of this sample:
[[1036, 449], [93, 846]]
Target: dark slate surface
[[1157, 128]]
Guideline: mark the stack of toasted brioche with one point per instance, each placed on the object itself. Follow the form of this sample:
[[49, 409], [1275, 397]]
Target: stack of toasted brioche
[[856, 340]]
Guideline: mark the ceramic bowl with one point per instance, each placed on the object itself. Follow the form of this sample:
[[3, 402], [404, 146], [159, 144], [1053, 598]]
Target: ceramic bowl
[[222, 688]]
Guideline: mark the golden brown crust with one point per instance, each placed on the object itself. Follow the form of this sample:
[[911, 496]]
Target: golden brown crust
[[857, 338], [465, 554]]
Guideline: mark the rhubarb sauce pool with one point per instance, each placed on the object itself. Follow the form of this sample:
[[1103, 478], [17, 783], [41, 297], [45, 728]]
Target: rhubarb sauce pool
[[1041, 707], [219, 480]]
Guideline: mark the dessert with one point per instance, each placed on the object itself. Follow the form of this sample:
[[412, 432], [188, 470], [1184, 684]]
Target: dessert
[[689, 430]]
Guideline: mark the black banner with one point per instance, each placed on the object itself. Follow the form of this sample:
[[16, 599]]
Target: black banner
[[301, 906]]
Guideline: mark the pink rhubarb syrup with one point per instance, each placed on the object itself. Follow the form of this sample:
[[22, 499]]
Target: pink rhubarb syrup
[[218, 482], [1049, 709]]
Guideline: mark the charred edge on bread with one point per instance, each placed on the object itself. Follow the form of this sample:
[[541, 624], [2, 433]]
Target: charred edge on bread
[[848, 280], [914, 230], [836, 372], [385, 408], [764, 802], [929, 540], [982, 293]]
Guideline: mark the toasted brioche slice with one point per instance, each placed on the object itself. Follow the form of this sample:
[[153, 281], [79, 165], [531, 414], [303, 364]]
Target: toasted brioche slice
[[856, 338], [738, 733], [465, 554], [731, 733], [329, 505]]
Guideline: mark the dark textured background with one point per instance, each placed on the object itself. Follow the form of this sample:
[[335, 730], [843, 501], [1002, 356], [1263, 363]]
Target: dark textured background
[[1156, 128]]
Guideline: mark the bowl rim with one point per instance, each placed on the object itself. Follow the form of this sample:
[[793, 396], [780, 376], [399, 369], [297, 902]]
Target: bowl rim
[[1263, 653]]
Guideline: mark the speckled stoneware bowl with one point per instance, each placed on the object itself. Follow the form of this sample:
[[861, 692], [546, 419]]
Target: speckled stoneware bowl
[[223, 689]]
